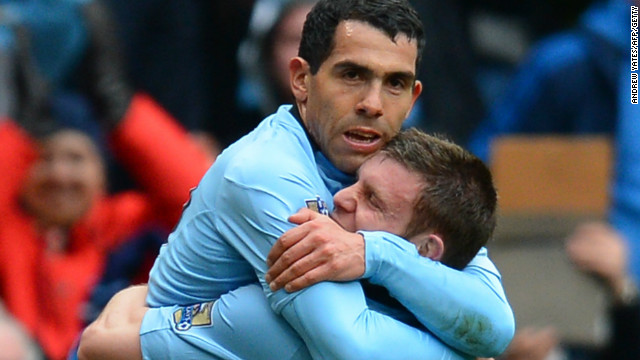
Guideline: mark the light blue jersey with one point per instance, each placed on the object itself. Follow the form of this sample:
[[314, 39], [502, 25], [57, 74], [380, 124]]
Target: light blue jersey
[[241, 208], [239, 326]]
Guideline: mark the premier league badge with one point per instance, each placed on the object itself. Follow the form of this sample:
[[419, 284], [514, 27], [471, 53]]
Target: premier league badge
[[193, 315], [318, 205]]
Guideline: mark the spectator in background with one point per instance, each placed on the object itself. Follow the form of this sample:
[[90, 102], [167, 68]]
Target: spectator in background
[[450, 103], [163, 48], [568, 83], [273, 39], [578, 82], [598, 250], [173, 51], [58, 225]]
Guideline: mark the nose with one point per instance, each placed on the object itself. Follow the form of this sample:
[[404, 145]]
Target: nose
[[59, 171], [346, 200], [371, 103]]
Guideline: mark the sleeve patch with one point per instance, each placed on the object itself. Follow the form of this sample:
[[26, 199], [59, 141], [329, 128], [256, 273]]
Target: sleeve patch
[[318, 205], [193, 315]]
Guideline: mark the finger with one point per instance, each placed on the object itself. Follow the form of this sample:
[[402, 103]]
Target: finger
[[286, 240], [287, 258], [303, 215], [286, 269], [307, 279]]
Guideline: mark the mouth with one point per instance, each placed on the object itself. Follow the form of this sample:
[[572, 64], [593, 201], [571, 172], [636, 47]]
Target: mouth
[[338, 218], [362, 139]]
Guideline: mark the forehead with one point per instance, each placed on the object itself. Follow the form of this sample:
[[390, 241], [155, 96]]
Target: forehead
[[67, 141], [363, 44], [392, 181]]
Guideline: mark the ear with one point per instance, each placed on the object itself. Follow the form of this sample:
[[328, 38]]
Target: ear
[[417, 90], [429, 245], [299, 74]]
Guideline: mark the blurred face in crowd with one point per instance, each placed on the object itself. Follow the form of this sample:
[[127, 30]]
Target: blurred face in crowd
[[360, 95], [66, 180], [285, 45]]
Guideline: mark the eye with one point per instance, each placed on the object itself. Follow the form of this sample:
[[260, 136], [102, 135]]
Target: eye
[[351, 75], [373, 200], [397, 84], [76, 158]]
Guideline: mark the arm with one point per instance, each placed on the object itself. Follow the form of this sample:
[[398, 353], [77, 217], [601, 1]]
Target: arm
[[17, 153], [598, 250], [144, 137], [468, 310], [114, 334], [332, 318], [335, 323], [160, 155]]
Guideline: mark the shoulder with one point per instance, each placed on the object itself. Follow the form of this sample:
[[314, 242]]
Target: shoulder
[[276, 150]]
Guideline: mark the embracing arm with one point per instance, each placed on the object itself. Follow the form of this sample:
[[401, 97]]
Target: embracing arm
[[332, 318], [466, 309], [335, 323]]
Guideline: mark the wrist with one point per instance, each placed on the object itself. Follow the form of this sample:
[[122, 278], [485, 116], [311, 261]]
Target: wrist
[[371, 252]]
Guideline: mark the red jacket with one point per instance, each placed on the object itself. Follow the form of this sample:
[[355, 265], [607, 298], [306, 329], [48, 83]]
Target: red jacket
[[46, 291]]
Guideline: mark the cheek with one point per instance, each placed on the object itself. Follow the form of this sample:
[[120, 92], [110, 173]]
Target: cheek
[[37, 175], [397, 111], [367, 219], [93, 180], [396, 120]]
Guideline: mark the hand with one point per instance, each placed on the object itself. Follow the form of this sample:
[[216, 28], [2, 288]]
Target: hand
[[24, 91], [316, 250], [597, 249], [532, 344], [106, 80]]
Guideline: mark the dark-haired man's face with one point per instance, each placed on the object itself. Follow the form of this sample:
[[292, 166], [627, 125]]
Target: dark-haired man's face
[[361, 94]]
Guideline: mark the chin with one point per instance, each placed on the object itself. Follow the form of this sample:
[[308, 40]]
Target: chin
[[66, 217]]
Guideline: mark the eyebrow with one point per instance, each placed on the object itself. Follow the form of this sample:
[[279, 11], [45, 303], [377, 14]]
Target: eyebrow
[[348, 64]]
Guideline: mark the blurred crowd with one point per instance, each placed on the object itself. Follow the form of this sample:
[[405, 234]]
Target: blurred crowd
[[111, 110]]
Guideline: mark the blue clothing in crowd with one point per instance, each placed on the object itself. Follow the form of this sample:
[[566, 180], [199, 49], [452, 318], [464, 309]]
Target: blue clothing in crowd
[[579, 82], [568, 83], [56, 31]]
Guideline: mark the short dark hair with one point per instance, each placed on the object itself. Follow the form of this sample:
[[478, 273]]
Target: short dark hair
[[390, 16], [458, 200]]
